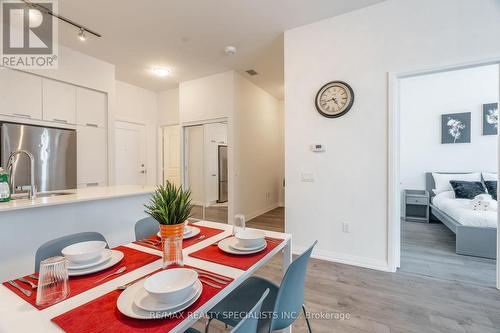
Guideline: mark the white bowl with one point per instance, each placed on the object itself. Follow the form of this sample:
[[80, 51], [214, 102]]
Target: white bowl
[[171, 285], [250, 238], [84, 251]]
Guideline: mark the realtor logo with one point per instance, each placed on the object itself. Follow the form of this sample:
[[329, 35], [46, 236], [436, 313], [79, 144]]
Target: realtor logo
[[28, 34]]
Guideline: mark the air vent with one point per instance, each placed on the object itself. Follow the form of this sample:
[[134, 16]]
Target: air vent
[[251, 72]]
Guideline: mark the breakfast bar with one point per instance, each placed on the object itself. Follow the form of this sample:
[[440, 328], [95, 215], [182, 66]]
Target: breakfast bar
[[110, 210]]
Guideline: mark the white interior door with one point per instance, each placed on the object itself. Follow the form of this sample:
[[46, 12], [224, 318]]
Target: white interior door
[[172, 154], [130, 154]]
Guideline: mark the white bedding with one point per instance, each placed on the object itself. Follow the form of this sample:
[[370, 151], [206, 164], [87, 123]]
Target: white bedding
[[461, 211]]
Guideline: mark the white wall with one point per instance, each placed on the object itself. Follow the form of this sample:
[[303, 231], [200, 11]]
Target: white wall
[[351, 177], [423, 99], [168, 107], [254, 135], [259, 156], [138, 105], [206, 98]]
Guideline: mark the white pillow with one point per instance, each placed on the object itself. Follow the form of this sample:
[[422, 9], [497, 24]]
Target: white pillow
[[490, 176], [442, 180]]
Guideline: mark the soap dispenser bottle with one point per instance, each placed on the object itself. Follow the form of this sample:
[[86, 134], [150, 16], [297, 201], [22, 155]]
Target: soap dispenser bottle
[[4, 186]]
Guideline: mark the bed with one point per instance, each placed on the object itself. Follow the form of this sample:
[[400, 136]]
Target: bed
[[476, 231]]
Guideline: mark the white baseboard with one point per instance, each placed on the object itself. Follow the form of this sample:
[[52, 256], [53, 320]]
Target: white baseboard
[[252, 215], [344, 258]]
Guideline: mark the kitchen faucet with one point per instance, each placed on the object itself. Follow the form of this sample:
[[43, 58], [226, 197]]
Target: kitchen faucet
[[10, 162]]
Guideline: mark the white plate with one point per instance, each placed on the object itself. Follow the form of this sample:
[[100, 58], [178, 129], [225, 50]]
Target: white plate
[[116, 257], [191, 233], [236, 246], [194, 231], [144, 300], [105, 255], [225, 245], [127, 307]]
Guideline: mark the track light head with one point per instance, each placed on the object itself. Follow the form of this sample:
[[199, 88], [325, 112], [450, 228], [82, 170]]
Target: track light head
[[82, 35]]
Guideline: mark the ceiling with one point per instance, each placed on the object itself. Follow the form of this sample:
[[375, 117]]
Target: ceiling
[[189, 36]]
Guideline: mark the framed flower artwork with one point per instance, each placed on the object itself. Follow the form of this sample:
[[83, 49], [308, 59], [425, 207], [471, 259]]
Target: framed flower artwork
[[490, 119], [455, 127]]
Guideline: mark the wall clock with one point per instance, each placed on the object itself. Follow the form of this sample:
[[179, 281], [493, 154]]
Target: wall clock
[[334, 99]]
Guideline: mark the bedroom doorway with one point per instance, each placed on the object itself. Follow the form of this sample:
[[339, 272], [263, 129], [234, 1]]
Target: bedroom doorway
[[444, 160]]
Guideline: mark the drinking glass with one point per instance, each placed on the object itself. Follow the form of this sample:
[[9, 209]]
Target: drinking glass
[[172, 251], [52, 281], [239, 221]]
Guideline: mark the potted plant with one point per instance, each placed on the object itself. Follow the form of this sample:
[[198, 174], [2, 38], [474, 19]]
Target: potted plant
[[171, 207]]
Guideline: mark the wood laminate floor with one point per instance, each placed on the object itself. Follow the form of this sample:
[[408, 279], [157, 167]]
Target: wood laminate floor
[[429, 249], [273, 220], [380, 302]]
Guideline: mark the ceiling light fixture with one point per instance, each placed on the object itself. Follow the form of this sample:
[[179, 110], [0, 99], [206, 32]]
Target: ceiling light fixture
[[47, 11], [230, 50], [81, 35], [161, 71]]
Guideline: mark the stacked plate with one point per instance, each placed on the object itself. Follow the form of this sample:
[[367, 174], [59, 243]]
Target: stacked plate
[[189, 231], [244, 242], [90, 257], [160, 295]]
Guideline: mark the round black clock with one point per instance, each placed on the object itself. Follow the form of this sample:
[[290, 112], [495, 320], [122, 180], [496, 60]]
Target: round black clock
[[334, 99]]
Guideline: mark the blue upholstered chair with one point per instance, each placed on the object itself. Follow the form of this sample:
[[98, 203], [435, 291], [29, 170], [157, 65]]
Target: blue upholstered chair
[[282, 306], [146, 227], [249, 323], [53, 248]]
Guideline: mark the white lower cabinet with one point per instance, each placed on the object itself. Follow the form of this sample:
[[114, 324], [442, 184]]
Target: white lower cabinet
[[92, 156]]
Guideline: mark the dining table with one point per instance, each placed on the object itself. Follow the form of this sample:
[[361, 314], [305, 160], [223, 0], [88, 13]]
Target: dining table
[[17, 315]]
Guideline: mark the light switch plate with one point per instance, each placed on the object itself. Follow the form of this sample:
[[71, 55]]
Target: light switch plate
[[307, 177]]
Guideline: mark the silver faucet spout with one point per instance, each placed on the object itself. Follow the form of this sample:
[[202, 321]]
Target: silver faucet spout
[[10, 162]]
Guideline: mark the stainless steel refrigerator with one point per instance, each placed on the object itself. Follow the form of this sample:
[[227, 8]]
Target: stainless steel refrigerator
[[222, 174], [54, 150]]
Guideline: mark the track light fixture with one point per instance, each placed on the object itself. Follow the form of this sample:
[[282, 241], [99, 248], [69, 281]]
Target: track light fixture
[[81, 35]]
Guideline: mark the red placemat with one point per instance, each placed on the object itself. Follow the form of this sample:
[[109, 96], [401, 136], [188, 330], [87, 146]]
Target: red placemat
[[102, 315], [205, 231], [133, 259], [214, 254]]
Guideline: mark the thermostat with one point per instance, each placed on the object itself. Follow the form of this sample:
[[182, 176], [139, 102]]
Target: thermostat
[[318, 148]]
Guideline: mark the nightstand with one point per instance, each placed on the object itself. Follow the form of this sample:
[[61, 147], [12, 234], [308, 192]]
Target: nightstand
[[416, 206]]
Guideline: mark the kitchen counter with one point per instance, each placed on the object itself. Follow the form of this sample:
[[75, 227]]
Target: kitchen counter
[[78, 195], [26, 224]]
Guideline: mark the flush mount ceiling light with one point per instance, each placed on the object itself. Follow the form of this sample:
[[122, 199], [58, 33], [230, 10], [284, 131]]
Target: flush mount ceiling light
[[230, 50], [81, 35], [161, 71]]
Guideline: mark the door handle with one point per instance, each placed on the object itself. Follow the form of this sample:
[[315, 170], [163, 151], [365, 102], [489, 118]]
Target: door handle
[[22, 115], [60, 120]]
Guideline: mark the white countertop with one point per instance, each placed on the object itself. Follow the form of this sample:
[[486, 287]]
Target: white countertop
[[78, 195]]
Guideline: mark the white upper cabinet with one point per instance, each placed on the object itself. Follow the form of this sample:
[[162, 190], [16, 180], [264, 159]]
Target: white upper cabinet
[[91, 108], [59, 102], [20, 94], [92, 156]]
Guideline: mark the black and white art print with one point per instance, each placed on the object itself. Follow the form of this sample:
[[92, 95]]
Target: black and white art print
[[455, 127], [490, 119]]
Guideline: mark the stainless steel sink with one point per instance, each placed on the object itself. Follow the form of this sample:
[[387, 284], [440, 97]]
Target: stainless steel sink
[[52, 194]]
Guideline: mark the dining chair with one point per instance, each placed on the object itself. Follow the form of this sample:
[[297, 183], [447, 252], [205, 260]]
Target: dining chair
[[249, 323], [282, 306], [146, 227], [53, 247]]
